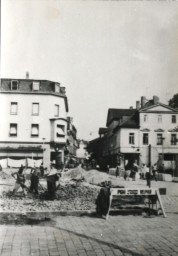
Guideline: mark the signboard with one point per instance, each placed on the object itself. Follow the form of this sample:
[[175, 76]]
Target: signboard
[[135, 192]]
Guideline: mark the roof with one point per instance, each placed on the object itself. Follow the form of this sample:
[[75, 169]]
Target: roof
[[131, 122], [150, 106], [25, 87], [116, 114]]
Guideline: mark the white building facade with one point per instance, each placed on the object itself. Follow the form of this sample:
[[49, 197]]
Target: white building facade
[[33, 119], [147, 134]]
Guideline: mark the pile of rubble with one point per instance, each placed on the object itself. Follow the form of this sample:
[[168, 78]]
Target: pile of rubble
[[74, 193], [68, 197]]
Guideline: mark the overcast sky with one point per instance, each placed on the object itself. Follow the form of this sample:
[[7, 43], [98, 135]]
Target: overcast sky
[[106, 53]]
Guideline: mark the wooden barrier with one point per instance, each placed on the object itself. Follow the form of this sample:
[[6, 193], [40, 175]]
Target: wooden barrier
[[135, 192]]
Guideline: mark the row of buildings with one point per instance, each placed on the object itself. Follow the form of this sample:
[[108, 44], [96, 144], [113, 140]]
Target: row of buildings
[[34, 121], [146, 134]]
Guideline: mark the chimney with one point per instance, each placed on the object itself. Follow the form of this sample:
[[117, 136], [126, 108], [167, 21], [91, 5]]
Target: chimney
[[137, 105], [143, 101], [27, 75], [155, 100]]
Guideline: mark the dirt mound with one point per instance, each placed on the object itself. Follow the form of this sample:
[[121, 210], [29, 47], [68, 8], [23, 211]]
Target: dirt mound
[[76, 173], [96, 177]]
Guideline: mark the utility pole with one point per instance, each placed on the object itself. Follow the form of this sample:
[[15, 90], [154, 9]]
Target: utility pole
[[149, 148]]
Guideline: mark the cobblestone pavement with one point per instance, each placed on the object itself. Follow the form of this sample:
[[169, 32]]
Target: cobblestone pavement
[[90, 236]]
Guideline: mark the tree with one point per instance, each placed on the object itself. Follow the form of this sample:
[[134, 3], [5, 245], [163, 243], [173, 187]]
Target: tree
[[174, 101]]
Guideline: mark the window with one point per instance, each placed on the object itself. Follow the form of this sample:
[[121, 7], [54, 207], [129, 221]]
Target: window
[[56, 113], [145, 139], [35, 130], [60, 131], [35, 109], [57, 88], [14, 85], [173, 119], [159, 118], [36, 86], [145, 118], [13, 109], [13, 130], [159, 139], [173, 139], [131, 138]]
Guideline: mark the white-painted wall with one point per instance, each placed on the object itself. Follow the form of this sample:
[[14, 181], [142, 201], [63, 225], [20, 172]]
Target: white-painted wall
[[152, 124], [124, 140], [24, 118]]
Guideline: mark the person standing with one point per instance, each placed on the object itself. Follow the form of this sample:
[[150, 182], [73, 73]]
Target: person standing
[[155, 171], [117, 170], [34, 181], [127, 172], [148, 176], [103, 200], [20, 180], [42, 169], [52, 178]]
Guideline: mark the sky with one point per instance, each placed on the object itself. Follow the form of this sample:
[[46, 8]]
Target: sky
[[106, 53]]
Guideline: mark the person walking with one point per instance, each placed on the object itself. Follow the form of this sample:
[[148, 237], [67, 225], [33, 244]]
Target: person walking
[[20, 180]]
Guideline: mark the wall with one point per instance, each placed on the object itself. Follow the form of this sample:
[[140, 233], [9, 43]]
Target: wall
[[152, 124], [24, 118]]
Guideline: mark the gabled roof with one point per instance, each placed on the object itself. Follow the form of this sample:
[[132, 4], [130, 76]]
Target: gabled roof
[[148, 106], [116, 114]]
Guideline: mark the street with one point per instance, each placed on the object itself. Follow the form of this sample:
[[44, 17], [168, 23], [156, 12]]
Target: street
[[87, 235]]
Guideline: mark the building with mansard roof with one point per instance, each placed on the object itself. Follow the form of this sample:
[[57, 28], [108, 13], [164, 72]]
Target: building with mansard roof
[[33, 120]]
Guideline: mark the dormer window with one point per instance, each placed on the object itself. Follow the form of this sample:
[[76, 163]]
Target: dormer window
[[14, 85], [57, 88], [36, 86]]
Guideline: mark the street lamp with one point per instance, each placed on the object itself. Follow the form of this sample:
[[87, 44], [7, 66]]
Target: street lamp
[[162, 140]]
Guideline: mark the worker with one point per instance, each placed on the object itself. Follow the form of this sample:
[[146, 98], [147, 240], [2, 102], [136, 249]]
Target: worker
[[103, 200], [42, 169], [52, 178], [20, 181], [34, 180]]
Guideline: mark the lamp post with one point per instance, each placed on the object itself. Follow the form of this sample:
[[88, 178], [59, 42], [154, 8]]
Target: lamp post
[[162, 142]]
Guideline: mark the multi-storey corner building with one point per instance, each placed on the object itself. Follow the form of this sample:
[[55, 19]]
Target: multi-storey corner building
[[33, 119], [148, 132]]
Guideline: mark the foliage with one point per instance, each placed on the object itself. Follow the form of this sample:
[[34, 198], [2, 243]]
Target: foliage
[[174, 101]]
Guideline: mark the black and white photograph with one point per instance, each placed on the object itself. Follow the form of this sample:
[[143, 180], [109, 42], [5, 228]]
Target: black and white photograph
[[89, 128]]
